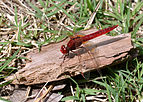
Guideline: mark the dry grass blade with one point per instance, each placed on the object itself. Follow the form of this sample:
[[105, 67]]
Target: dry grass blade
[[47, 91], [22, 4], [92, 16], [61, 20], [32, 24], [7, 7]]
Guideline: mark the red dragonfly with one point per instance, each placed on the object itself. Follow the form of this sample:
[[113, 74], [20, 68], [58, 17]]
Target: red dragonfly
[[77, 41]]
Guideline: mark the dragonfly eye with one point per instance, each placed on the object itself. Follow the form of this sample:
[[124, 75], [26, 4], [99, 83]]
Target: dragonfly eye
[[63, 49]]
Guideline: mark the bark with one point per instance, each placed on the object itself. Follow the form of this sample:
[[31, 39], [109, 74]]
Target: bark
[[45, 65]]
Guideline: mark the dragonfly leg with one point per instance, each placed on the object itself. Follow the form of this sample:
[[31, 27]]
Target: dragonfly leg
[[67, 56], [78, 54], [64, 58], [79, 59], [95, 62], [87, 50], [92, 57]]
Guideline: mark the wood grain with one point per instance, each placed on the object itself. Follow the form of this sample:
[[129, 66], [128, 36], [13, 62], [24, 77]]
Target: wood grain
[[45, 65]]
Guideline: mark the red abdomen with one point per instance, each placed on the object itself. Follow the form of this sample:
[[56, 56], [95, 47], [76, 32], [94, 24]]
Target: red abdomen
[[98, 33]]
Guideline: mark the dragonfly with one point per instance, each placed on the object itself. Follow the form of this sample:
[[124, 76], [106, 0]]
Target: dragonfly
[[76, 41]]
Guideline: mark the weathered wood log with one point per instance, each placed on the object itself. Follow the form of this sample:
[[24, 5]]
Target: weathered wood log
[[45, 65]]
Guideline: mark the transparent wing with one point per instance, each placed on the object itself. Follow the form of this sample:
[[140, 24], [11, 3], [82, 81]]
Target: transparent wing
[[90, 51]]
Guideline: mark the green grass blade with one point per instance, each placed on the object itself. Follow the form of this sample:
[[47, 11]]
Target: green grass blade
[[19, 30], [9, 60], [4, 43], [1, 19], [116, 13], [83, 97], [23, 44], [53, 7], [38, 13], [60, 8], [136, 19], [81, 8], [4, 100], [15, 16], [113, 15], [85, 8], [42, 3], [127, 22], [108, 92], [121, 3], [24, 26], [89, 5], [70, 98], [138, 6], [136, 28], [77, 88], [52, 13]]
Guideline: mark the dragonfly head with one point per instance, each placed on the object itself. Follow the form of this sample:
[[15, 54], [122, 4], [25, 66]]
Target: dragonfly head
[[64, 50]]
